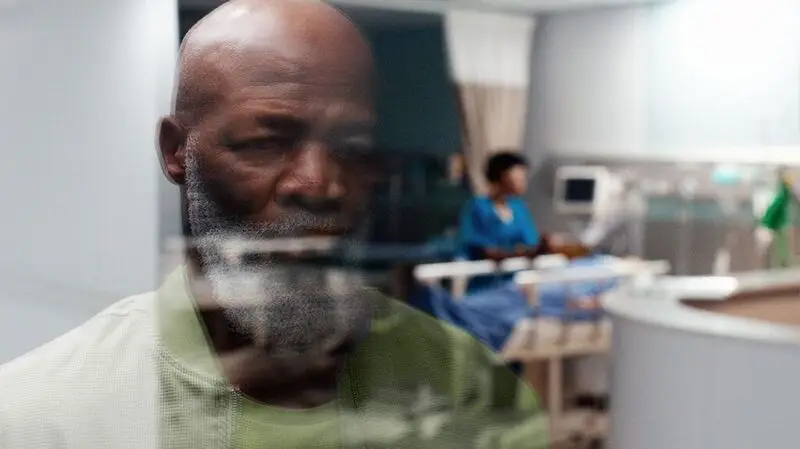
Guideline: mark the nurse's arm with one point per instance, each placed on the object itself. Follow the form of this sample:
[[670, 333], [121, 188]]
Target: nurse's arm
[[521, 251], [496, 254], [476, 237]]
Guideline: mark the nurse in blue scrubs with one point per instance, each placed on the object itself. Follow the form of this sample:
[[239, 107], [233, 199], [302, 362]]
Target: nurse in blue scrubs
[[498, 226]]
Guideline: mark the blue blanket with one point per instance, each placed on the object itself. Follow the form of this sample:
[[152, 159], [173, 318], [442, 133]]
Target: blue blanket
[[490, 315]]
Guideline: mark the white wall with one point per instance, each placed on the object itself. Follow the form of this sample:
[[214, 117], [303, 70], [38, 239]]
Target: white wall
[[588, 81], [81, 87], [687, 79]]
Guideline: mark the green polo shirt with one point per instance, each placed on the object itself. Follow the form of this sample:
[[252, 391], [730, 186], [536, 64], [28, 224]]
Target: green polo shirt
[[413, 383]]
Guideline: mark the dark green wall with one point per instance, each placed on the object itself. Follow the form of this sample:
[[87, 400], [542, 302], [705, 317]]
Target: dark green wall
[[416, 101]]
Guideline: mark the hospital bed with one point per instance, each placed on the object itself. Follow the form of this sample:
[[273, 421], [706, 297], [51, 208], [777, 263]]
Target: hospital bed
[[542, 342]]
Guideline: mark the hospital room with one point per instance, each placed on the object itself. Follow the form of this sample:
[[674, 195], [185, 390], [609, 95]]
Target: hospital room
[[495, 224]]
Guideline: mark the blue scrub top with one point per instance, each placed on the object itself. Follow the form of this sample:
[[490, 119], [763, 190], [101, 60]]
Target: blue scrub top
[[481, 228]]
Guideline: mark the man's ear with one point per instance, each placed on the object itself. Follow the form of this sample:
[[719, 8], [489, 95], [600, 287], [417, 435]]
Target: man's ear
[[172, 149]]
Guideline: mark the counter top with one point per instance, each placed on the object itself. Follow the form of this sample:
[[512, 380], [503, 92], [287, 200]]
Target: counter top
[[663, 304]]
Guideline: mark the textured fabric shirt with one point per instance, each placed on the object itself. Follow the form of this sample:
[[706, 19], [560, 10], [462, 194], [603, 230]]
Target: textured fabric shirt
[[141, 374]]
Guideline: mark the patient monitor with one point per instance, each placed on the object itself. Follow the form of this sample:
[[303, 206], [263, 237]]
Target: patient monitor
[[596, 194], [584, 190]]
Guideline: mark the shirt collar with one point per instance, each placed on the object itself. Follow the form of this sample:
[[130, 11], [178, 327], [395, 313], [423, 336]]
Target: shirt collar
[[183, 333]]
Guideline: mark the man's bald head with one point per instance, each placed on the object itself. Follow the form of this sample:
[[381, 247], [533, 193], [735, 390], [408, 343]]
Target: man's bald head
[[263, 41]]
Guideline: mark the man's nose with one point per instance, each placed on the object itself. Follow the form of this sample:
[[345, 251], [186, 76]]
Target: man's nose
[[312, 182]]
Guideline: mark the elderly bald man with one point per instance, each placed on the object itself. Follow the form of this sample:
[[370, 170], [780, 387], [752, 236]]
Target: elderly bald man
[[269, 138]]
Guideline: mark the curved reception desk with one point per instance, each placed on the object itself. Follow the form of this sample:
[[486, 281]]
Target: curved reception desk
[[707, 363]]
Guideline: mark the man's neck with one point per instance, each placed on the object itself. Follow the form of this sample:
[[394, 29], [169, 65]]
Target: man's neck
[[302, 380], [298, 381]]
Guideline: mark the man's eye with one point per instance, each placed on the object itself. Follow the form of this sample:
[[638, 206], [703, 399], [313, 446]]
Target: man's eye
[[270, 143], [363, 155], [355, 152]]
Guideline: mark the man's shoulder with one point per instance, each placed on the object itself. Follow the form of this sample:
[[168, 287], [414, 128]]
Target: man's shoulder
[[85, 387], [418, 329], [474, 375], [84, 354]]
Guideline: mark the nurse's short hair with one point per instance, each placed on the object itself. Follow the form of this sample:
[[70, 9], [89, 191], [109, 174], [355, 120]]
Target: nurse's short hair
[[501, 162]]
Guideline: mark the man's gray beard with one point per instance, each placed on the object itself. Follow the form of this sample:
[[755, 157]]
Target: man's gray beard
[[286, 309]]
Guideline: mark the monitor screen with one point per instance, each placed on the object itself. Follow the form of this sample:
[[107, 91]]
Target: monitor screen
[[579, 190]]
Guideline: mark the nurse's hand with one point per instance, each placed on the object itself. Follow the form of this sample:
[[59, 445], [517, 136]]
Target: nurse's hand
[[556, 240], [498, 255], [495, 255]]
